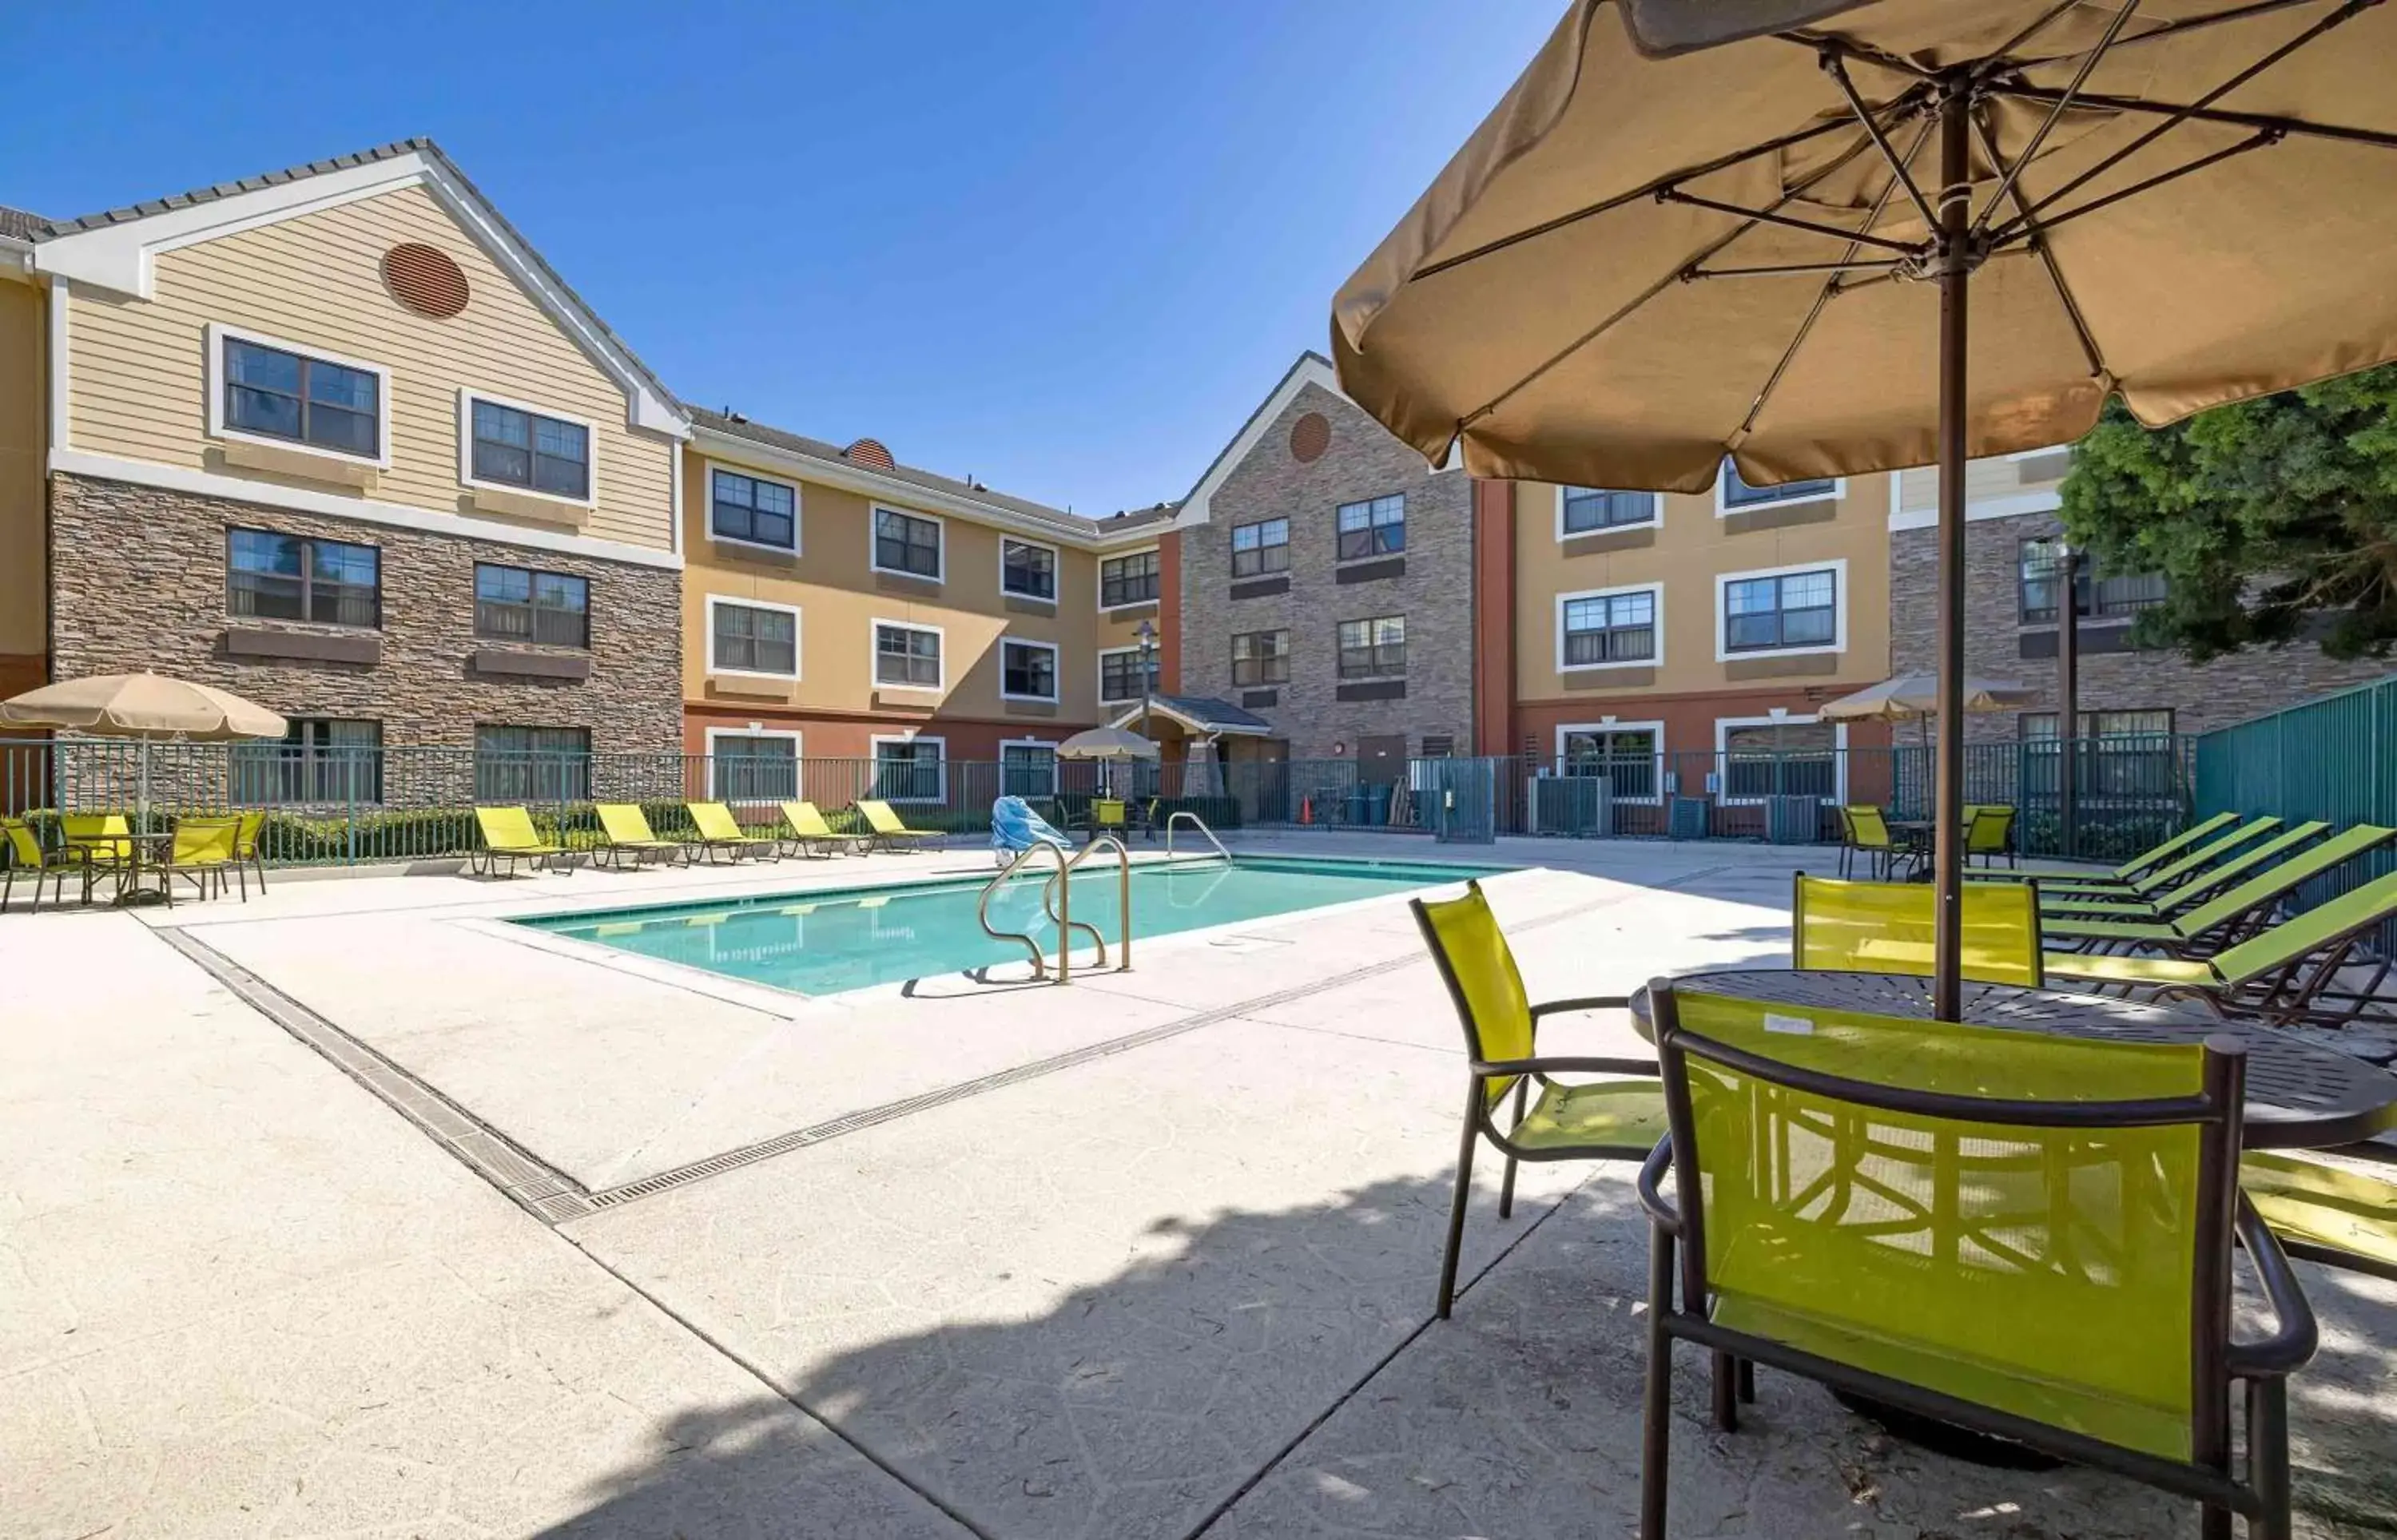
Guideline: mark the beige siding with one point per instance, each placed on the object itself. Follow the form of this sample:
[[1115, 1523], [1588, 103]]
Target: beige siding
[[139, 375], [1984, 479], [23, 427]]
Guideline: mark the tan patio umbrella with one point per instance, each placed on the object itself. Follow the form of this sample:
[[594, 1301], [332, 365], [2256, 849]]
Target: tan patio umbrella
[[1107, 743], [1767, 248], [1917, 695]]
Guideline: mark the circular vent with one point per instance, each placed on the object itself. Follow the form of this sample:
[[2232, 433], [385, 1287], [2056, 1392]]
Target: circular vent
[[870, 452], [1309, 436], [425, 280]]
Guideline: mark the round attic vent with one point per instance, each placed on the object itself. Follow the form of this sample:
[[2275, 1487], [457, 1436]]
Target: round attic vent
[[870, 452], [1309, 436], [425, 280]]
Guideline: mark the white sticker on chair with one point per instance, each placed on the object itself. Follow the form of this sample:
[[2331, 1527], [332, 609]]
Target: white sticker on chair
[[1802, 1026]]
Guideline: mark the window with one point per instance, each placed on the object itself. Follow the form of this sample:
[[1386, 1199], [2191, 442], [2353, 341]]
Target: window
[[320, 760], [1374, 528], [906, 545], [1260, 548], [2121, 754], [1127, 579], [1369, 648], [908, 657], [2041, 562], [1602, 629], [1735, 494], [1028, 671], [1797, 609], [1627, 756], [1261, 658], [1584, 509], [753, 511], [1027, 770], [294, 577], [754, 639], [1780, 758], [1119, 674], [519, 604], [272, 392], [753, 766], [532, 764], [1027, 570], [911, 769], [517, 446], [2103, 724]]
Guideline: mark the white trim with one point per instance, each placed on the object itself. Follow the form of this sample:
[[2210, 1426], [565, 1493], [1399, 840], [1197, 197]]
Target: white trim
[[1837, 566], [1170, 713], [708, 467], [874, 655], [1050, 744], [208, 483], [1655, 519], [1056, 666], [1722, 485], [61, 397], [798, 750], [2011, 507], [1779, 718], [674, 495], [218, 334], [799, 635], [1310, 370], [2035, 454], [1099, 578], [468, 395], [874, 511], [1609, 724], [1100, 664], [1056, 569], [874, 744], [1657, 661]]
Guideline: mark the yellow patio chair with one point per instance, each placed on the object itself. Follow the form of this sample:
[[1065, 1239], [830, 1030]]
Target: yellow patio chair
[[2334, 1215], [889, 830], [202, 852], [508, 835], [1887, 927], [1879, 1204], [1609, 1119], [26, 857], [1989, 833], [720, 832], [104, 839], [809, 834], [1867, 833], [626, 830], [250, 850]]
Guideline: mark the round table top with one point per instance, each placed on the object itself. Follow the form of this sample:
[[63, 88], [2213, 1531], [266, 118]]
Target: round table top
[[2300, 1096]]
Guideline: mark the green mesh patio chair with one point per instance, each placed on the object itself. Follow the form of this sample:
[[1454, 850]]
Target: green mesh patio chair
[[28, 859], [509, 835], [2232, 915], [1887, 927], [625, 835], [2184, 891], [1609, 1119], [2155, 856], [2162, 877], [2024, 1235], [2332, 1214], [1867, 833], [1989, 834]]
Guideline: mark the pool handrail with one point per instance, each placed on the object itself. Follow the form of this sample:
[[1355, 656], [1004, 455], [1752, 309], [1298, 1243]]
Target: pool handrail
[[1200, 824], [982, 906], [1061, 888]]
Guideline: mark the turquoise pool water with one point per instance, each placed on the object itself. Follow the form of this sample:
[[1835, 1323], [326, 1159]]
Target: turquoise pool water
[[827, 942]]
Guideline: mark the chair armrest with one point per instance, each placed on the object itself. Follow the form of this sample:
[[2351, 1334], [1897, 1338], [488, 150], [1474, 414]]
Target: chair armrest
[[2294, 1334], [1661, 1212], [1501, 1069], [1589, 1002]]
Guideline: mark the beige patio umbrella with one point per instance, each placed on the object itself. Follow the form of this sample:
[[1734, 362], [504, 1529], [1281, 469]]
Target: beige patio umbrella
[[1917, 695], [1107, 743], [1767, 248]]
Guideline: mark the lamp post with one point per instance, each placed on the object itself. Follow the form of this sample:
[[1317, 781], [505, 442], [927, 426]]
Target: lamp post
[[2068, 711], [1146, 634]]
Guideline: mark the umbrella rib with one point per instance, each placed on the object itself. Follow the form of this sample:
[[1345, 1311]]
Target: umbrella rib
[[2055, 112], [2188, 24], [2296, 127], [1784, 269], [2047, 259], [2262, 139], [1834, 66], [2040, 25], [1766, 216]]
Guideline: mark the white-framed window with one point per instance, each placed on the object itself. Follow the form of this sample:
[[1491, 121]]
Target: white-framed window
[[911, 767], [1027, 569], [909, 545], [1120, 676], [751, 636], [1374, 648], [1377, 527], [1028, 671], [1734, 495], [1618, 628], [291, 396], [1782, 612], [746, 508], [1135, 578], [753, 764], [1027, 767], [907, 656], [1261, 548], [514, 446], [1595, 511], [1631, 754], [1780, 756]]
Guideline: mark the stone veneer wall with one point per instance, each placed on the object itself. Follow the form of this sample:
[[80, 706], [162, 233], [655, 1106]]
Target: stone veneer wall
[[2223, 692], [139, 583], [1435, 592]]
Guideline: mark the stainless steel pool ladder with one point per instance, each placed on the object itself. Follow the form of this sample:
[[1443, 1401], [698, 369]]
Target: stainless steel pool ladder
[[1057, 902], [1196, 822]]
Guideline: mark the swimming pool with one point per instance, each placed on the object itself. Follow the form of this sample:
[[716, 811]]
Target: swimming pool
[[823, 943]]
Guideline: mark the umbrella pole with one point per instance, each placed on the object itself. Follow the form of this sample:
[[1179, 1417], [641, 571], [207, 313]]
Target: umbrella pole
[[1955, 273]]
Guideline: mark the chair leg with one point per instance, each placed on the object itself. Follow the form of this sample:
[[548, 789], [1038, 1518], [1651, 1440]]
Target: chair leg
[[1747, 1382], [1656, 1407], [2267, 1457], [1506, 1185], [1726, 1393], [1456, 1205]]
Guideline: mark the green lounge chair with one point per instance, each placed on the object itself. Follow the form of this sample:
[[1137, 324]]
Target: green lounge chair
[[2155, 856], [26, 859], [508, 835], [2279, 975], [889, 831], [2218, 921], [2164, 876], [626, 830], [809, 834], [720, 832], [2187, 890], [1874, 1203], [1609, 1119]]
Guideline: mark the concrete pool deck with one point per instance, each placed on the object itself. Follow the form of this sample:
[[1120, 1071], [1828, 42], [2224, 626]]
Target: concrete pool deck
[[1151, 1255]]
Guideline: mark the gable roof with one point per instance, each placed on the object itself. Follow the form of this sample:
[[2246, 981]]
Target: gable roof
[[1200, 715], [16, 225], [1311, 368]]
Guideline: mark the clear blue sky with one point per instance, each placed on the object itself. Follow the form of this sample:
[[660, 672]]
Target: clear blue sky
[[1063, 248]]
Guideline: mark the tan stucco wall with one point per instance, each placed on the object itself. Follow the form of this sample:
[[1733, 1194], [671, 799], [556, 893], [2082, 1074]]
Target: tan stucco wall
[[23, 433], [138, 375]]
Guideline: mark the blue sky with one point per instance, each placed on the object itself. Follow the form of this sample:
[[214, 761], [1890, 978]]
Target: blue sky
[[1062, 248]]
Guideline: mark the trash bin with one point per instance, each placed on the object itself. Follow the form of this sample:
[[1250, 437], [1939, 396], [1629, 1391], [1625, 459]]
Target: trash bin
[[1793, 820], [1690, 818], [1361, 802], [1379, 810]]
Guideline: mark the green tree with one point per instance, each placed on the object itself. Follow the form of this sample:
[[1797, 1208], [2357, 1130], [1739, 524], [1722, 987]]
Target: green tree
[[2272, 520]]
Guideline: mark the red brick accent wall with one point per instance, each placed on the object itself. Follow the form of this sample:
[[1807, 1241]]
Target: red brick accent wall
[[1494, 617]]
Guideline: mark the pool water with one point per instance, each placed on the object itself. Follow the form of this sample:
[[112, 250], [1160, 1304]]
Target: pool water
[[827, 942]]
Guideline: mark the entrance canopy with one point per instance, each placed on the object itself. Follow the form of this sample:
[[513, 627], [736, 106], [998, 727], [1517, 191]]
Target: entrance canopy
[[1199, 716]]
